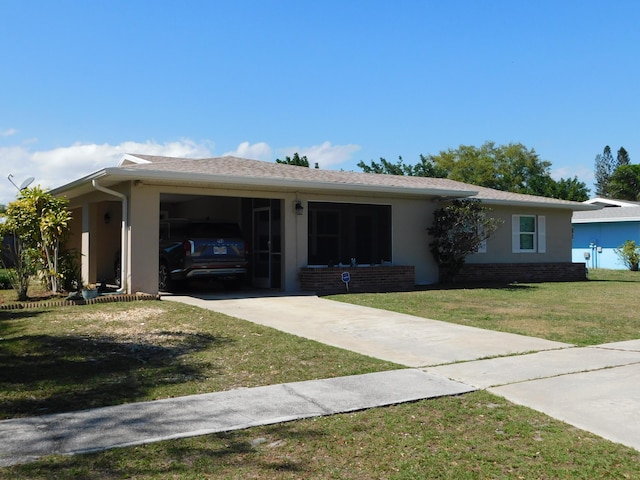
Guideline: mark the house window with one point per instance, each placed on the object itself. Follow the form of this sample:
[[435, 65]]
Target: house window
[[339, 232], [482, 246], [528, 232], [324, 235]]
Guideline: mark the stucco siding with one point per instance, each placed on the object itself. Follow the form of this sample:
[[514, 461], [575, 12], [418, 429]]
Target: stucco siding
[[410, 220], [74, 241], [500, 245], [144, 225]]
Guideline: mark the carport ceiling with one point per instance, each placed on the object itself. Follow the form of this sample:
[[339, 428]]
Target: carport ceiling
[[179, 197]]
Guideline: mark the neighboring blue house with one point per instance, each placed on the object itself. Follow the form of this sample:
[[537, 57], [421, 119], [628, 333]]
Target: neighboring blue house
[[597, 233]]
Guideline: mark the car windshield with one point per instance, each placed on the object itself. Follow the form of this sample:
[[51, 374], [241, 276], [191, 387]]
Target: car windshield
[[182, 230], [212, 230]]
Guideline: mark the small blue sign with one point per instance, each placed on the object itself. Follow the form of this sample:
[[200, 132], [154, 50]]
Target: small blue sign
[[346, 278]]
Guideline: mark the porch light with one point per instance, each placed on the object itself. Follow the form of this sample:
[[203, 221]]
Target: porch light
[[298, 208]]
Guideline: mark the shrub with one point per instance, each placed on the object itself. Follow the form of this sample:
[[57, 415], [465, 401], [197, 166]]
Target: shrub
[[5, 280], [458, 230], [629, 253]]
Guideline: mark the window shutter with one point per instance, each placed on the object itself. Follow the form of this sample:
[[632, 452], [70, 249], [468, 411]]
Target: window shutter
[[515, 233], [542, 232]]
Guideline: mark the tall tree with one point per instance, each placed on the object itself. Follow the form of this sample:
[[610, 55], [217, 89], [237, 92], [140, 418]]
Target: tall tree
[[570, 189], [386, 167], [624, 184], [622, 158], [603, 169], [512, 168], [425, 168], [296, 160]]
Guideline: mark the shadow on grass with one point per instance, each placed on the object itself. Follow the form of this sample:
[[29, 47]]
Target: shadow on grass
[[7, 316], [214, 455], [611, 280], [476, 286], [49, 374]]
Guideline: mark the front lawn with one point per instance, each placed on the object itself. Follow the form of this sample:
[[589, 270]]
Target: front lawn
[[70, 358], [60, 359], [601, 310]]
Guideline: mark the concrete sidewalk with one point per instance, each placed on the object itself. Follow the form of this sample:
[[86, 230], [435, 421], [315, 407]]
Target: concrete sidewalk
[[592, 388], [24, 440]]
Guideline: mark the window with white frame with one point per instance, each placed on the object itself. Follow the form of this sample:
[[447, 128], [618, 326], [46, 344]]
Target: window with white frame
[[528, 234]]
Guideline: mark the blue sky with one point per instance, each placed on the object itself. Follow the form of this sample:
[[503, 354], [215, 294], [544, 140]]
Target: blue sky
[[84, 81]]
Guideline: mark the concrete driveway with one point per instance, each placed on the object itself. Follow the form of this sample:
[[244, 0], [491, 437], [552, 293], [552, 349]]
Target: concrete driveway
[[593, 388], [399, 338]]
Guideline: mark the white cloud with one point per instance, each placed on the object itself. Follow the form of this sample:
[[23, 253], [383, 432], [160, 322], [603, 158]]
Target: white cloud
[[326, 155], [257, 151], [58, 166], [8, 133], [584, 174], [53, 168]]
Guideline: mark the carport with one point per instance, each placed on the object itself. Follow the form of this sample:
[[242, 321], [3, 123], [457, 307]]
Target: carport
[[258, 218], [117, 215], [100, 225]]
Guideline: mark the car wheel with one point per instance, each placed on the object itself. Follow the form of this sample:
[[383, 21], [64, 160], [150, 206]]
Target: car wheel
[[118, 276]]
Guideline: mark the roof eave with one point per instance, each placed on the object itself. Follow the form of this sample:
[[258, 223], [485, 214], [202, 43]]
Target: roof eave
[[605, 220], [62, 190], [152, 177], [573, 206]]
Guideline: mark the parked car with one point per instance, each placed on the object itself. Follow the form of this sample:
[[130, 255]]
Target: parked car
[[199, 249]]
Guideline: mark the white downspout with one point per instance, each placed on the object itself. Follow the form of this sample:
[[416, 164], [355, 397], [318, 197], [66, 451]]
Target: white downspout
[[124, 243]]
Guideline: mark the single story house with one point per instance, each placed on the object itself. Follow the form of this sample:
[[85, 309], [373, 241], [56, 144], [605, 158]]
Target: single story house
[[305, 225], [597, 233]]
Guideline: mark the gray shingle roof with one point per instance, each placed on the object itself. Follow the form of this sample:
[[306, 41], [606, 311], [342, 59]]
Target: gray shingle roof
[[609, 214], [234, 167], [254, 169]]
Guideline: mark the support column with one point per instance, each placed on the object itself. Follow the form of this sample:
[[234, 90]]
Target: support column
[[144, 227], [294, 242]]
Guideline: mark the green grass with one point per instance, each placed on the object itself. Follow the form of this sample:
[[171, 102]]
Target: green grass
[[600, 310], [60, 359]]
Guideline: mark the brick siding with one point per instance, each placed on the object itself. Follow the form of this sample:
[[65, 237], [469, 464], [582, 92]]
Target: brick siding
[[328, 280], [522, 272]]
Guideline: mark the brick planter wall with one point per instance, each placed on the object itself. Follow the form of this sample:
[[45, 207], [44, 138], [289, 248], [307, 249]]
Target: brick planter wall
[[522, 272], [387, 278]]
